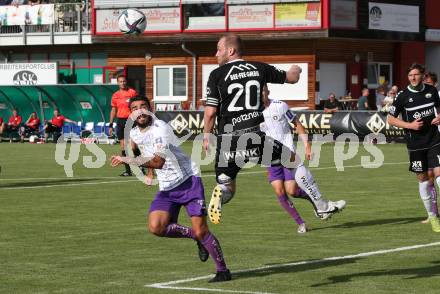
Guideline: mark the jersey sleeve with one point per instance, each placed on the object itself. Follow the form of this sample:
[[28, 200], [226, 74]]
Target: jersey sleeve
[[397, 107], [288, 114], [212, 93], [273, 74]]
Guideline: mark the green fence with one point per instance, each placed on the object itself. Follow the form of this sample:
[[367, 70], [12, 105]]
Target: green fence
[[85, 103]]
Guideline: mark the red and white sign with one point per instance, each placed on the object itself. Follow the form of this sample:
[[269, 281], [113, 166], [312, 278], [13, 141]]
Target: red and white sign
[[250, 16], [158, 19]]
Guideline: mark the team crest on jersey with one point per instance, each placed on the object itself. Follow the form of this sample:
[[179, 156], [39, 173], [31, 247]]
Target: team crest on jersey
[[428, 95], [410, 100]]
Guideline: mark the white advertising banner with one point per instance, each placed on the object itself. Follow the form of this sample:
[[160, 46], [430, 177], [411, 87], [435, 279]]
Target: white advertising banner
[[343, 14], [250, 16], [158, 19], [13, 74], [391, 17], [38, 14], [298, 91]]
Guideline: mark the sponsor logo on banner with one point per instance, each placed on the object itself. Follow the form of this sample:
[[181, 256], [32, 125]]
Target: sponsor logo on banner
[[376, 124], [184, 122], [179, 123], [25, 77]]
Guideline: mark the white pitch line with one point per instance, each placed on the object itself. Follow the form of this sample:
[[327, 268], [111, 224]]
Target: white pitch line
[[167, 285], [203, 176]]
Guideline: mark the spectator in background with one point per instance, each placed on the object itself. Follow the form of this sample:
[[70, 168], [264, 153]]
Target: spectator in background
[[55, 125], [13, 125], [363, 100], [380, 96], [331, 105], [2, 128], [388, 101], [395, 89], [431, 79], [31, 127]]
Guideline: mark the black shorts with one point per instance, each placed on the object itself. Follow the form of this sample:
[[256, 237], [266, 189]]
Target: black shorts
[[422, 160], [52, 128], [120, 126], [27, 131], [237, 151]]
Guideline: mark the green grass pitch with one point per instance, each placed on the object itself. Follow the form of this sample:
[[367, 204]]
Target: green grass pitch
[[87, 234]]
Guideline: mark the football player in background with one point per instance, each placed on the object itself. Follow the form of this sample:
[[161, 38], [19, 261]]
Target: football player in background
[[418, 106], [277, 119]]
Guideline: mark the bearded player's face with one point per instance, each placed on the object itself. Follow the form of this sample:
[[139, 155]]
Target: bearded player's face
[[140, 111]]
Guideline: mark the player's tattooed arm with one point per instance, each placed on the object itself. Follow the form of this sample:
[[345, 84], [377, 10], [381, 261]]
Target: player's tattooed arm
[[156, 162]]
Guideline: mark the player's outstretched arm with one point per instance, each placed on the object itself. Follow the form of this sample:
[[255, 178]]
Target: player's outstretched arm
[[209, 119], [293, 74], [156, 162]]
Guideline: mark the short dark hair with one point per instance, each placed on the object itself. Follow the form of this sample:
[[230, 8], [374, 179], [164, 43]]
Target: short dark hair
[[234, 41], [433, 76], [120, 76], [417, 66], [139, 98]]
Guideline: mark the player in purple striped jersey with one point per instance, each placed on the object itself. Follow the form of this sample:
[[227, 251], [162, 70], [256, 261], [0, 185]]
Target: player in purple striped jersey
[[179, 185]]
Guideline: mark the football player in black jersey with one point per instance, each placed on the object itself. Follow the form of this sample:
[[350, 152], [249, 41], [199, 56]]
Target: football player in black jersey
[[234, 98], [431, 79], [418, 106]]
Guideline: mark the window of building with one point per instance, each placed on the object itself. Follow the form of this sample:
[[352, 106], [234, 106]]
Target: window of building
[[379, 73], [39, 57], [170, 83], [98, 59], [61, 58], [80, 59], [209, 15], [19, 58]]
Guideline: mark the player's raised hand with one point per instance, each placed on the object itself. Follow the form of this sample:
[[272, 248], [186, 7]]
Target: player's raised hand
[[116, 160], [416, 124]]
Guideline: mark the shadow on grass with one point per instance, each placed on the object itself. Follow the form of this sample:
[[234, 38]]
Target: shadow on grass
[[375, 222], [412, 273], [46, 182], [274, 269]]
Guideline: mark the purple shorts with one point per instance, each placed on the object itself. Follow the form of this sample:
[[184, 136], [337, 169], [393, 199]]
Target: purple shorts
[[190, 194], [279, 172]]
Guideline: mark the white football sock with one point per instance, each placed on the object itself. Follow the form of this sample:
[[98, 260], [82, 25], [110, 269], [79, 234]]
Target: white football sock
[[425, 195], [307, 183]]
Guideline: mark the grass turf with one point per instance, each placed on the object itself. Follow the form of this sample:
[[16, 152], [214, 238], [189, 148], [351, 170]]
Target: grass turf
[[87, 234]]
